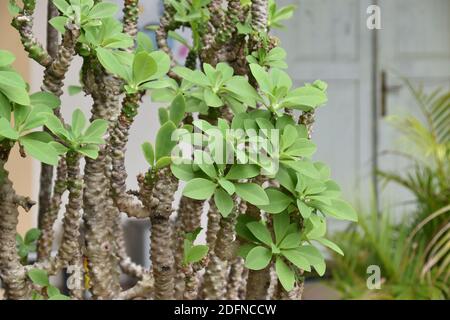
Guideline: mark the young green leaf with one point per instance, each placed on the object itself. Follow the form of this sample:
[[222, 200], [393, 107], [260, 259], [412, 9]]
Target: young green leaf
[[144, 67], [296, 259], [258, 258], [78, 122], [32, 235], [39, 277], [197, 253], [333, 246], [149, 153], [291, 241], [278, 201], [164, 140], [252, 193], [103, 10], [199, 189], [177, 109], [40, 150], [6, 131], [242, 171], [285, 274], [261, 232], [6, 58], [223, 202]]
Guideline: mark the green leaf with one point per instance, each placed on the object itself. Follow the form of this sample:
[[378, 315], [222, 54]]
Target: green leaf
[[205, 163], [74, 90], [90, 151], [262, 77], [164, 142], [338, 209], [199, 189], [196, 77], [13, 8], [149, 153], [163, 115], [40, 150], [111, 62], [163, 162], [55, 126], [261, 232], [258, 258], [6, 130], [177, 109], [144, 67], [59, 23], [6, 58], [314, 257], [212, 99], [291, 241], [223, 201], [162, 61], [182, 171], [13, 93], [59, 297], [103, 10], [96, 129], [297, 259], [78, 122], [304, 167], [45, 99], [278, 201], [59, 148], [52, 291], [39, 277], [144, 43], [252, 193], [5, 107], [227, 186], [280, 225], [197, 253], [61, 5], [242, 171], [333, 246], [308, 96], [304, 209], [285, 274], [32, 235]]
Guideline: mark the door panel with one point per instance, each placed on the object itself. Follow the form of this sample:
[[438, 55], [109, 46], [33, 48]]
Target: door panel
[[329, 41], [415, 44]]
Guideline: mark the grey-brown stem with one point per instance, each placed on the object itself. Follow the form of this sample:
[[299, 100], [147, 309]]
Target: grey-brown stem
[[12, 272], [161, 254]]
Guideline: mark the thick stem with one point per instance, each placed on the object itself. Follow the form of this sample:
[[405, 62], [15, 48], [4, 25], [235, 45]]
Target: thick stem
[[213, 226], [12, 273], [259, 15], [215, 280], [70, 245], [130, 17], [47, 220], [188, 219], [99, 213], [46, 177], [307, 119], [167, 23], [235, 279], [119, 138], [23, 22], [54, 75], [161, 252]]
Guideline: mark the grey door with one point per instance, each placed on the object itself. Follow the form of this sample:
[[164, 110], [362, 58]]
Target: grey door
[[415, 43]]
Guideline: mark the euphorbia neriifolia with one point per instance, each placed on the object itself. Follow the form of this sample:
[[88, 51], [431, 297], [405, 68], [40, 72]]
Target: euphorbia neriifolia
[[234, 135]]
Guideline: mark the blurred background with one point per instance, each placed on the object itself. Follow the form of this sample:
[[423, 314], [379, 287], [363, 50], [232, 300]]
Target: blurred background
[[385, 133]]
